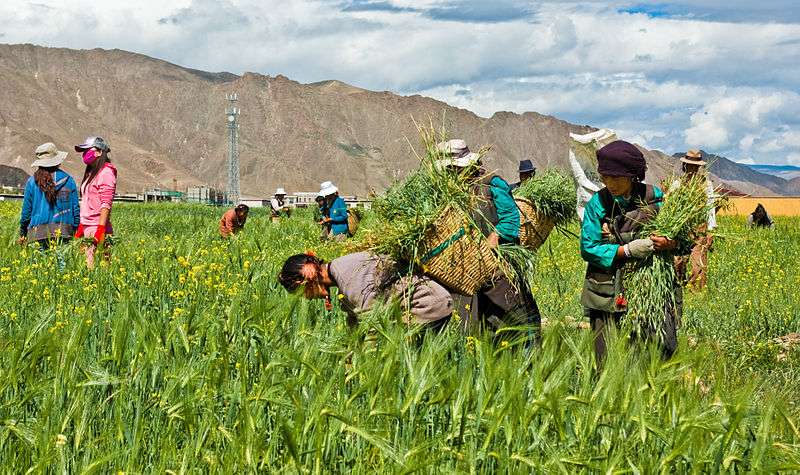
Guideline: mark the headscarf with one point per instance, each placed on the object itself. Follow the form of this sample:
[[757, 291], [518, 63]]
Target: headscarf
[[620, 158]]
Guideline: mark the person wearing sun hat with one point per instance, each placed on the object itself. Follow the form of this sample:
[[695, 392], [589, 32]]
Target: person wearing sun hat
[[97, 195], [502, 302], [609, 238], [693, 164], [50, 207], [337, 211], [278, 206]]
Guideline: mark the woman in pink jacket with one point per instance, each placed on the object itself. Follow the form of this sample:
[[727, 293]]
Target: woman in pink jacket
[[97, 193]]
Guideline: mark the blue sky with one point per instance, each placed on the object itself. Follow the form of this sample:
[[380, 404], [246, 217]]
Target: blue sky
[[722, 75]]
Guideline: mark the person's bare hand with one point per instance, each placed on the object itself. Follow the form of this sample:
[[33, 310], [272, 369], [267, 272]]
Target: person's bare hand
[[660, 243], [22, 240], [493, 240]]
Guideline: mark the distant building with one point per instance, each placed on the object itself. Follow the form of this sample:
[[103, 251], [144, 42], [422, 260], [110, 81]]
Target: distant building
[[205, 195], [159, 195], [303, 199], [255, 202]]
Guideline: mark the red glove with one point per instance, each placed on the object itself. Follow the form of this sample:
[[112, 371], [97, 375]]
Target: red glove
[[100, 234], [79, 232]]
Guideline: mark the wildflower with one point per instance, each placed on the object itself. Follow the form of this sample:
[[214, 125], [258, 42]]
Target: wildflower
[[61, 440]]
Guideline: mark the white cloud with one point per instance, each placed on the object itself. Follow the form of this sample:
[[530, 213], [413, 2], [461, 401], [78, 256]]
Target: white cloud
[[674, 81]]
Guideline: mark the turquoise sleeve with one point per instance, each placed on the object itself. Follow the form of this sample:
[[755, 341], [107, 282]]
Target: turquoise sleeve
[[338, 213], [507, 211], [594, 249]]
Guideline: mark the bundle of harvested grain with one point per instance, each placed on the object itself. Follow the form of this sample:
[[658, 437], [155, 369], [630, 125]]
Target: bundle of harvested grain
[[650, 283], [545, 201]]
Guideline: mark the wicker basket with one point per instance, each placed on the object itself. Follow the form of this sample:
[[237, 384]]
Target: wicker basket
[[352, 222], [456, 254], [534, 228]]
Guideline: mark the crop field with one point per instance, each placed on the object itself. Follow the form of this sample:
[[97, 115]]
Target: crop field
[[184, 355]]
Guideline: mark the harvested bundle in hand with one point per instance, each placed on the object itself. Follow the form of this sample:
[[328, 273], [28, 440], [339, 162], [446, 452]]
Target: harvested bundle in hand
[[650, 284]]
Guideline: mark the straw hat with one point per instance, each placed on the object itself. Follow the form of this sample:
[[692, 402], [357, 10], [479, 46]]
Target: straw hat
[[693, 157], [460, 155], [327, 188], [47, 155]]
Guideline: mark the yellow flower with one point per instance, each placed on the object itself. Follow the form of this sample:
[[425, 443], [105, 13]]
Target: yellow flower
[[61, 440]]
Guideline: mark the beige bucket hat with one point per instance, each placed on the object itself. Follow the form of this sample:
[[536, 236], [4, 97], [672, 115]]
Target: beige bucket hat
[[47, 155]]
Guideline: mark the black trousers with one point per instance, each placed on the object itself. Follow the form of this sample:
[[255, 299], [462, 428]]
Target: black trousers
[[498, 305], [666, 334]]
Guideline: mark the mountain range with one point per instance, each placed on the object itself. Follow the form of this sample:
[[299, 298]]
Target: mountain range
[[166, 122]]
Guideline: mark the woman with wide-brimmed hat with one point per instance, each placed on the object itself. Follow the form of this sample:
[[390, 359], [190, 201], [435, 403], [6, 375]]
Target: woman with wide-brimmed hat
[[50, 209], [336, 217], [97, 195]]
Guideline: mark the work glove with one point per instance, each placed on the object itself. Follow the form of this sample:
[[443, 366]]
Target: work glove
[[639, 248], [79, 232], [100, 234]]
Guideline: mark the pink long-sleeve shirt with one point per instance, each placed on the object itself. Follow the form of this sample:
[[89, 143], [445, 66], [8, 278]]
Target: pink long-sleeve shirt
[[98, 194]]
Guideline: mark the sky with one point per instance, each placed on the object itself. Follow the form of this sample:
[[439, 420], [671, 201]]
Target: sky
[[721, 75]]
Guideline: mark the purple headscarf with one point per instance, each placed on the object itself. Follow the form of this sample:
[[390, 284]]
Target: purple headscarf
[[620, 158]]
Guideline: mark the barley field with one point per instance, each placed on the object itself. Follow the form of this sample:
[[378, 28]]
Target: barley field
[[184, 355]]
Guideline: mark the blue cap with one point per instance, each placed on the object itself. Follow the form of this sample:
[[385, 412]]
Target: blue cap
[[526, 166]]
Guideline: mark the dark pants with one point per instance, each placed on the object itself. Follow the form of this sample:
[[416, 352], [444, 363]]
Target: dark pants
[[601, 323], [499, 305]]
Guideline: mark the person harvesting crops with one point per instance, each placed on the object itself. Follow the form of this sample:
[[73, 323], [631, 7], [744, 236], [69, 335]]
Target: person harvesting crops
[[759, 218], [612, 219], [50, 207], [363, 279], [278, 205], [500, 302], [97, 195], [336, 216], [693, 165], [233, 220], [319, 214], [526, 172]]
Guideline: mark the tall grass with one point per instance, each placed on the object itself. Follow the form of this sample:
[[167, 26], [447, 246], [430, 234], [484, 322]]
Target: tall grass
[[184, 355]]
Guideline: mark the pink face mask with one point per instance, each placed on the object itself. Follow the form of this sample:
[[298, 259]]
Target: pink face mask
[[89, 156]]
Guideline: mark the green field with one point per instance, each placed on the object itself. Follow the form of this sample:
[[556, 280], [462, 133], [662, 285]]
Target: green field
[[185, 356]]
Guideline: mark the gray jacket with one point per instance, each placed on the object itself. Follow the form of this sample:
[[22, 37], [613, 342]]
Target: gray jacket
[[363, 278]]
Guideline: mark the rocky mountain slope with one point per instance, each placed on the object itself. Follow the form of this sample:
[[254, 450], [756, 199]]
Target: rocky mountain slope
[[12, 177], [166, 122]]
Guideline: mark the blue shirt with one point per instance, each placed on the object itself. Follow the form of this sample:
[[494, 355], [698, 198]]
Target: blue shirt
[[36, 210], [594, 249], [507, 210], [338, 215]]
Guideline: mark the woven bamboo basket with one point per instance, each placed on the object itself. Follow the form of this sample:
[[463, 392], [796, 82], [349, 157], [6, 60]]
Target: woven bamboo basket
[[456, 254], [352, 222], [534, 227]]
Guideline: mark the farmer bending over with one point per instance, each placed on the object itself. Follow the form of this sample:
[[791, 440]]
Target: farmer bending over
[[362, 279], [500, 302], [611, 221], [233, 221], [760, 218]]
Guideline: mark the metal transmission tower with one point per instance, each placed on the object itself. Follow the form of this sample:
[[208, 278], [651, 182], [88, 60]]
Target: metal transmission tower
[[234, 193]]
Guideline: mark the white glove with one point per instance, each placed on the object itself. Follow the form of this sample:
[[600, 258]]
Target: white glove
[[639, 248]]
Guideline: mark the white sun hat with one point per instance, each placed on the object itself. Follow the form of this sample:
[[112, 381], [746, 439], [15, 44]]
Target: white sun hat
[[460, 155], [280, 191], [327, 188], [47, 155]]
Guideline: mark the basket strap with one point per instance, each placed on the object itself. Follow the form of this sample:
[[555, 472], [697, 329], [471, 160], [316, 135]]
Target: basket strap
[[444, 245]]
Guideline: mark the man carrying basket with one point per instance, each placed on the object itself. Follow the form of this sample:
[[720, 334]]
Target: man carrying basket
[[500, 302]]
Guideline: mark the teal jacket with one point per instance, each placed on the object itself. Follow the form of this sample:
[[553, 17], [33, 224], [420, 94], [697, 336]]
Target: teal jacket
[[338, 215], [507, 210], [594, 249]]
